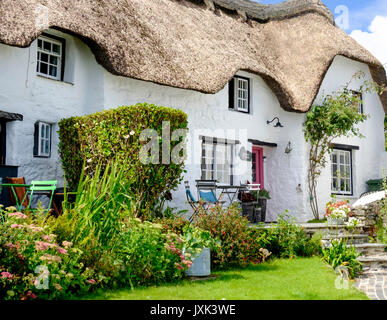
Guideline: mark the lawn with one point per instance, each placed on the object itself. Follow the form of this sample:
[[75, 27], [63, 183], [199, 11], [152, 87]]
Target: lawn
[[297, 279]]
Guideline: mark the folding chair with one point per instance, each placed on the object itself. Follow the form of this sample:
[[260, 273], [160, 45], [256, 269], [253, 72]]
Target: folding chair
[[191, 200], [207, 192], [18, 196], [46, 187]]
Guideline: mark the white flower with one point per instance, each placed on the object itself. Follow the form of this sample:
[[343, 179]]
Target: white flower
[[353, 222], [132, 133], [338, 214]]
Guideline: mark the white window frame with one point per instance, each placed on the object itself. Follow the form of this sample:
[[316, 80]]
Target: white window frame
[[242, 94], [42, 141], [210, 169], [338, 174], [50, 53]]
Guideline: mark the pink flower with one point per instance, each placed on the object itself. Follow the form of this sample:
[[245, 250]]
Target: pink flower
[[61, 250], [91, 281], [31, 295], [16, 226], [43, 246], [58, 287], [179, 266], [67, 244], [19, 215], [6, 275], [47, 238], [10, 245], [50, 258], [34, 228]]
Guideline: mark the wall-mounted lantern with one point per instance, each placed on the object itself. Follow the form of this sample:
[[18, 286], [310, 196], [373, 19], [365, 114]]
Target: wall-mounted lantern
[[278, 124], [289, 148]]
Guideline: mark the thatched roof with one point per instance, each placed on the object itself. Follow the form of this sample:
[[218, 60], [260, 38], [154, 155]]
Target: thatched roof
[[199, 44]]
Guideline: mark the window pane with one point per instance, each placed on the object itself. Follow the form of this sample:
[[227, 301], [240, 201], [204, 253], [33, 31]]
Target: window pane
[[53, 71], [54, 60], [44, 57], [41, 147], [42, 131], [56, 48], [47, 149], [334, 158], [334, 170], [39, 43], [335, 184], [48, 132], [47, 45], [44, 68]]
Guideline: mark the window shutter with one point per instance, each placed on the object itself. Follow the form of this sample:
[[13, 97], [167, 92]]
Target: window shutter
[[36, 139], [231, 94]]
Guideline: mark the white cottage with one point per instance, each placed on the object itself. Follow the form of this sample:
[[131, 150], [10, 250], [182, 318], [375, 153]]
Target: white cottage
[[245, 74]]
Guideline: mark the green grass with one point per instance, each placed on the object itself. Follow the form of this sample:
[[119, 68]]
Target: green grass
[[298, 279], [317, 221]]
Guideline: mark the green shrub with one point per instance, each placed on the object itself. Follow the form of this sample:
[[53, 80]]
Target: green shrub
[[146, 255], [115, 134], [173, 224], [227, 225], [34, 265], [287, 239], [338, 254]]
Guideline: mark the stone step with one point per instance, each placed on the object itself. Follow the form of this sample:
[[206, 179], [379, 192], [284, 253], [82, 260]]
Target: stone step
[[374, 262], [371, 249], [325, 228], [354, 239]]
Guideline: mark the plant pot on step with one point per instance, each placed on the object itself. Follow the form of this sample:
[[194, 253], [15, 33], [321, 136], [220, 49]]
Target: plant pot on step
[[262, 202], [201, 265]]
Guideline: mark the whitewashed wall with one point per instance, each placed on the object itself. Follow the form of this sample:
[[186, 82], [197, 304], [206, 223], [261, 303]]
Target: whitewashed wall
[[369, 159], [89, 88], [41, 99]]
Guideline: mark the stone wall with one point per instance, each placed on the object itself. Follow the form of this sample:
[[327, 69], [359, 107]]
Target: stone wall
[[369, 215]]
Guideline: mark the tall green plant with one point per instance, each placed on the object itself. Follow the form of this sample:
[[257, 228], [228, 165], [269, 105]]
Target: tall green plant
[[102, 201], [337, 116]]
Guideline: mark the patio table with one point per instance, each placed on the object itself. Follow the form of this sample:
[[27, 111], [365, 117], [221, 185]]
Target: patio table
[[230, 191]]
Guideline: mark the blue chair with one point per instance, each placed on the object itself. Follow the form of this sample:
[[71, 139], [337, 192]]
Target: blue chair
[[191, 200]]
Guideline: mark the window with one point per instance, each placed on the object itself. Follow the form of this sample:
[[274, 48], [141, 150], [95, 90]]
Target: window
[[50, 57], [239, 94], [42, 146], [360, 105], [341, 171], [217, 161]]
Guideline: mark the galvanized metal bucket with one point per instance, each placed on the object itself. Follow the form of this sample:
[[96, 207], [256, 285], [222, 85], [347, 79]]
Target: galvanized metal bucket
[[201, 265]]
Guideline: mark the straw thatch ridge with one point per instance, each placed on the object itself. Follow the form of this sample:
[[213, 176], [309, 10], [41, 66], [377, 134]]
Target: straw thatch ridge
[[197, 44], [283, 10]]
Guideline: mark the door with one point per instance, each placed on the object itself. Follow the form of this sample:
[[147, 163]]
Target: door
[[257, 167]]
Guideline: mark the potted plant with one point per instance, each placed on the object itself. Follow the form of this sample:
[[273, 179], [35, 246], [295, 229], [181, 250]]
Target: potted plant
[[262, 196], [337, 212], [197, 245]]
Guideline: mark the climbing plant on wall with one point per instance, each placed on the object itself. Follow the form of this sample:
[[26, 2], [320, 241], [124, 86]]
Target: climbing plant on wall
[[337, 116]]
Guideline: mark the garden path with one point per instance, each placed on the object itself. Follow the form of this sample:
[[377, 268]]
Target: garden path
[[373, 284]]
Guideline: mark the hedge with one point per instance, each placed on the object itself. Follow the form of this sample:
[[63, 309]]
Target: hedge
[[115, 134]]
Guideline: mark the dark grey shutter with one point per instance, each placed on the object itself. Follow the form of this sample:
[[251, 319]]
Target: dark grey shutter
[[36, 139], [231, 94]]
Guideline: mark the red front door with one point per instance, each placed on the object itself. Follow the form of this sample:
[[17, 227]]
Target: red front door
[[258, 171]]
